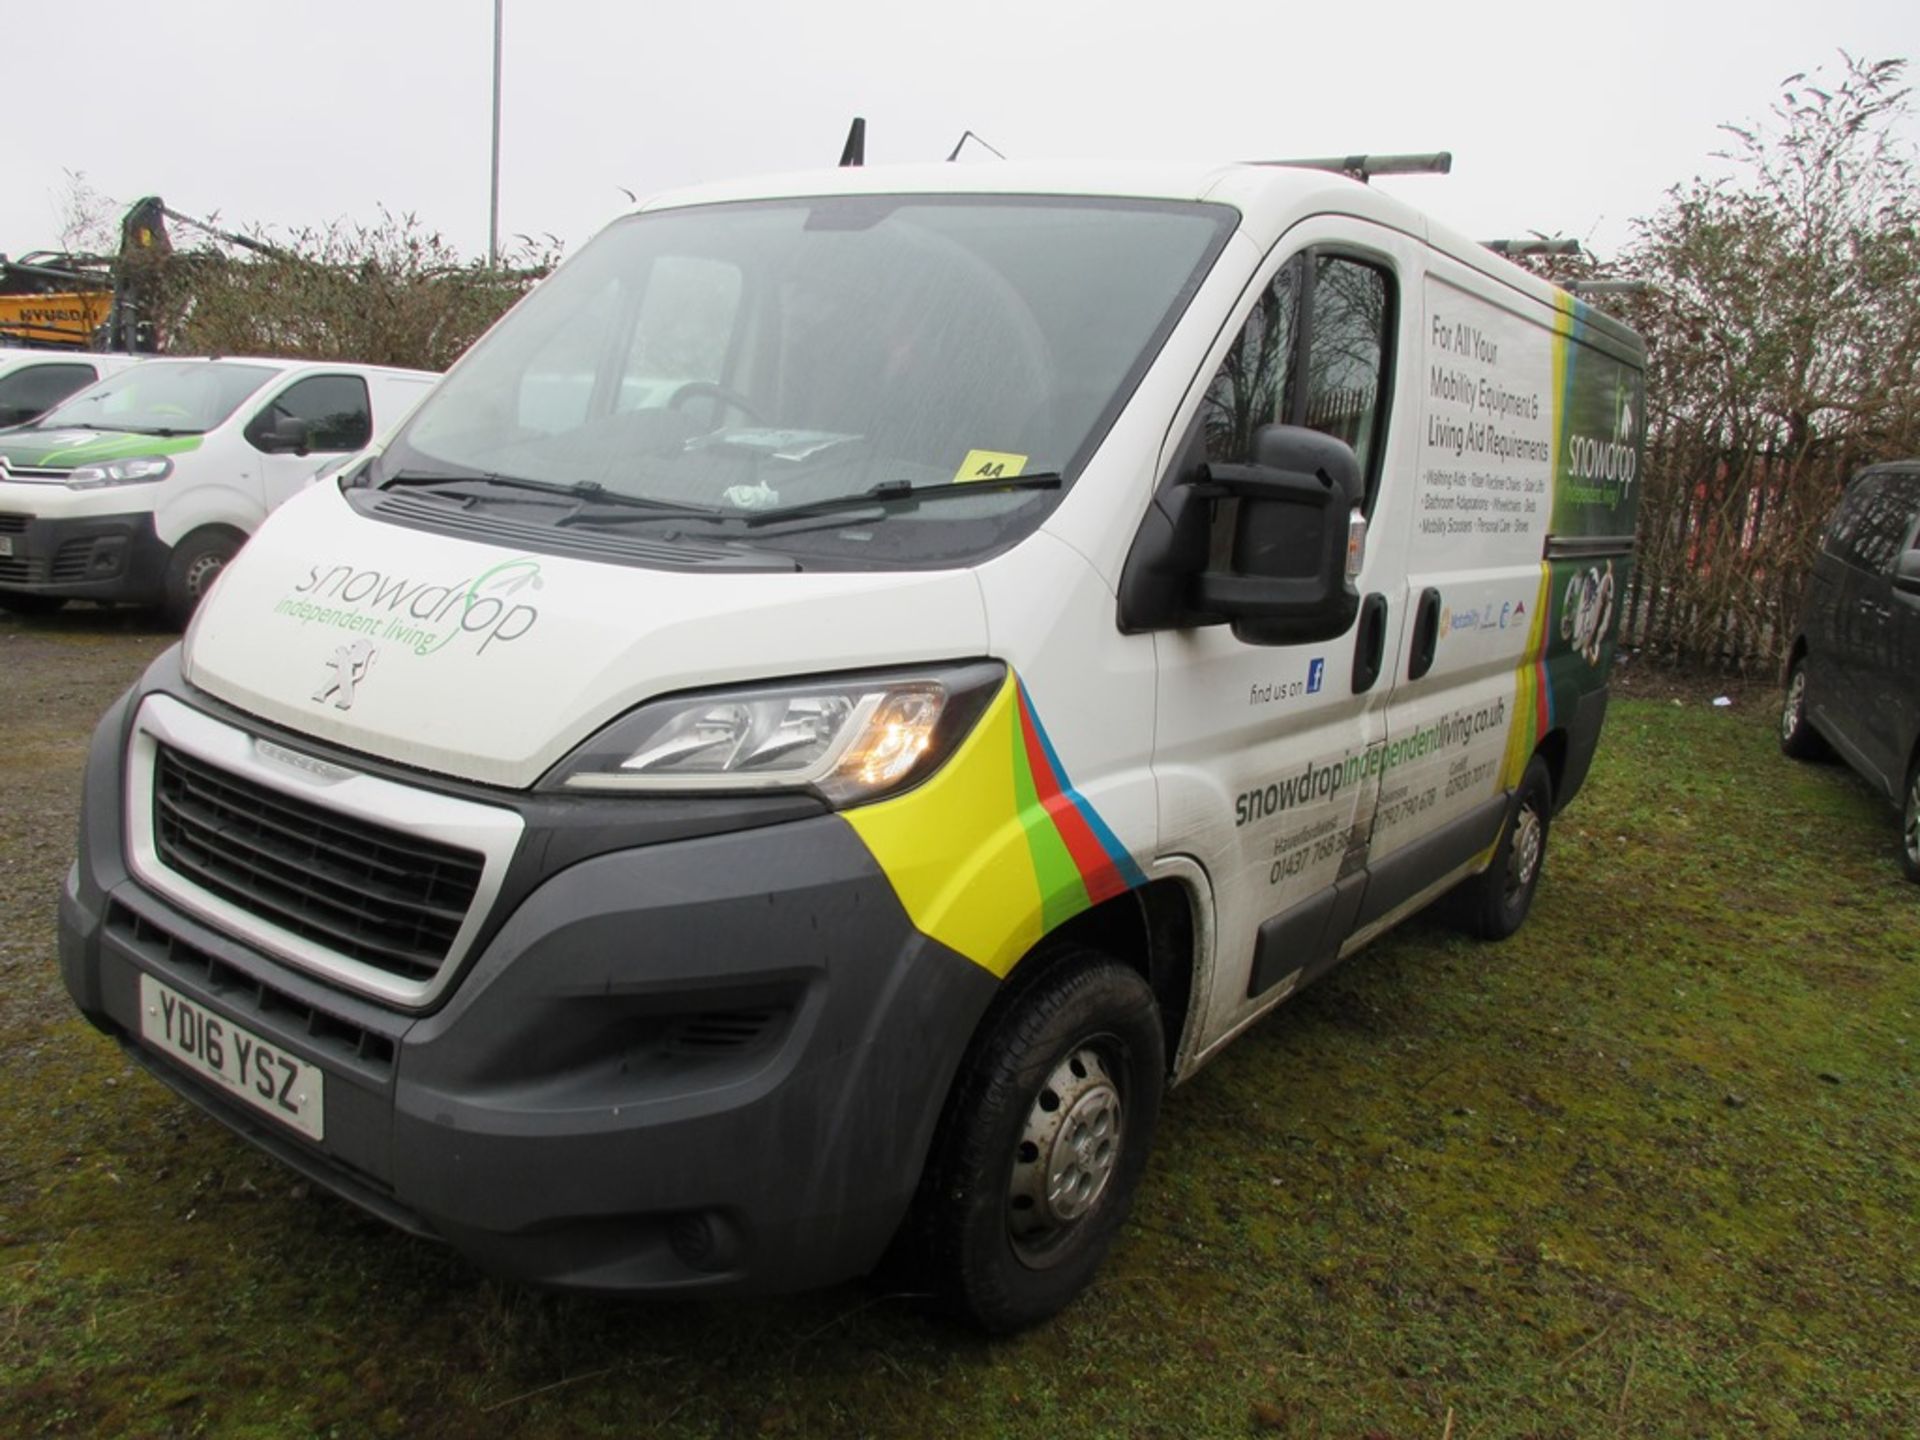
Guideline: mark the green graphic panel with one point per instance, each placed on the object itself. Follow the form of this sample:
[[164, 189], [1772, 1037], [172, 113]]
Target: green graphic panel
[[1599, 435]]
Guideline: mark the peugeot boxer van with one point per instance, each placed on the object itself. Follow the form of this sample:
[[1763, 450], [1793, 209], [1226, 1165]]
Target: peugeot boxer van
[[854, 687], [140, 488]]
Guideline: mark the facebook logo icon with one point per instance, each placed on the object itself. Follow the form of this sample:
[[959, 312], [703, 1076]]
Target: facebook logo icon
[[1316, 672]]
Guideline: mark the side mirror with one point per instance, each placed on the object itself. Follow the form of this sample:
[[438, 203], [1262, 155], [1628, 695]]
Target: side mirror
[[285, 436], [1292, 515], [1906, 573], [1287, 520]]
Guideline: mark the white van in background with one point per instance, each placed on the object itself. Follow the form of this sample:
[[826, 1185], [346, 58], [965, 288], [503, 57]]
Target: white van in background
[[855, 685], [140, 488], [32, 382]]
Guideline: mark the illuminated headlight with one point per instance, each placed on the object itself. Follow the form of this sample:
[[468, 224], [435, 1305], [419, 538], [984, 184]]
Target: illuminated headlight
[[846, 739], [141, 470]]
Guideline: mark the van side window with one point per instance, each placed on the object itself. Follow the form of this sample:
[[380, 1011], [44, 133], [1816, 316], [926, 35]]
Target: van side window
[[35, 388], [335, 406], [1312, 354], [1872, 522], [1254, 385], [1346, 357]]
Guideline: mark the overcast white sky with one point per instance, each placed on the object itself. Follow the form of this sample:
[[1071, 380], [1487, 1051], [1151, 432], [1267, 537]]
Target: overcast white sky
[[1563, 118]]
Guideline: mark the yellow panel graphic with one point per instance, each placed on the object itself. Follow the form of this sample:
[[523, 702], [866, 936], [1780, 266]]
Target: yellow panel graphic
[[956, 851]]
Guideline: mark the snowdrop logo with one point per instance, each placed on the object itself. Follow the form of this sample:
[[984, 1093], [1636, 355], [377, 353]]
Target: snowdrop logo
[[495, 607]]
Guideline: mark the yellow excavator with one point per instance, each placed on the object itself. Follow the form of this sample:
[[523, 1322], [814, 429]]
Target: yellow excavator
[[59, 300]]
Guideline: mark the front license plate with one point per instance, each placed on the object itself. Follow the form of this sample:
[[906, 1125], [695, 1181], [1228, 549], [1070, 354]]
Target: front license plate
[[6, 546], [238, 1061]]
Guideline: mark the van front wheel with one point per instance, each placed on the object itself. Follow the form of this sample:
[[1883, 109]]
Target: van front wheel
[[1042, 1143], [1494, 904], [195, 564]]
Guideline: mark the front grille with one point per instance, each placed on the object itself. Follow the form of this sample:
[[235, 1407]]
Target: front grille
[[14, 524], [386, 899], [19, 570]]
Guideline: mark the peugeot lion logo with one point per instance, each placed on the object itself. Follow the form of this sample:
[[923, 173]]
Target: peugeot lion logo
[[346, 669]]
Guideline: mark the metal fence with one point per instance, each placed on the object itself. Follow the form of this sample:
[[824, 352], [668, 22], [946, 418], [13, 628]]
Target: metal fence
[[1725, 542]]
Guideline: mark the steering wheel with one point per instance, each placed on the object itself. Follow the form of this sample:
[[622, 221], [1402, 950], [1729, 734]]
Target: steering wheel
[[707, 390]]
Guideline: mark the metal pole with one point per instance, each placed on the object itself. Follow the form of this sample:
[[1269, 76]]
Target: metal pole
[[493, 212]]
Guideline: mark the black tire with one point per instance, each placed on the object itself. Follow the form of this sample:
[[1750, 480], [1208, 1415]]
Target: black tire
[[23, 602], [195, 564], [1798, 738], [1043, 1139], [1910, 826], [1494, 904]]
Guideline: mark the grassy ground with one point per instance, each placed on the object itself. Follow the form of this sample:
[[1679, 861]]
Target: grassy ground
[[1650, 1168]]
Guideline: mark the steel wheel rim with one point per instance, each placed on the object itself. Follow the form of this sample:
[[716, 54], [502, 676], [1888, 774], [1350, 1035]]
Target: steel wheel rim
[[1069, 1149], [1910, 822], [1791, 712], [1523, 857], [201, 573]]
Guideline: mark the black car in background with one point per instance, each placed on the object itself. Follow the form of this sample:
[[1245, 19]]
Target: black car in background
[[1853, 675]]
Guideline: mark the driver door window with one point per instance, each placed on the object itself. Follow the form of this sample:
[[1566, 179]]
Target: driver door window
[[1313, 353], [338, 414]]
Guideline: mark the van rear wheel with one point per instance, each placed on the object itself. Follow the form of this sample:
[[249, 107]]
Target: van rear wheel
[[1494, 904], [1042, 1142], [1910, 827], [1798, 738]]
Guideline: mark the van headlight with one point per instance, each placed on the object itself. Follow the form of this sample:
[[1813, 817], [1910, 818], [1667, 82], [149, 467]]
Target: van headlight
[[140, 470], [848, 739]]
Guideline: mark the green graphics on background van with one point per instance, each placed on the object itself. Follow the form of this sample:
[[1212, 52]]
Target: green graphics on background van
[[139, 488]]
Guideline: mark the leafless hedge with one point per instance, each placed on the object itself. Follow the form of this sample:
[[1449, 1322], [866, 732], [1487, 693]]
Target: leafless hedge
[[1783, 322]]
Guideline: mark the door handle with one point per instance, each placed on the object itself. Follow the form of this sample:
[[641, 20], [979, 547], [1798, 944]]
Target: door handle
[[1370, 645], [1426, 634]]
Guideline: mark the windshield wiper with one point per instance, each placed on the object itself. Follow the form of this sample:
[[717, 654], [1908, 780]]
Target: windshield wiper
[[649, 508], [895, 492], [422, 479], [588, 492]]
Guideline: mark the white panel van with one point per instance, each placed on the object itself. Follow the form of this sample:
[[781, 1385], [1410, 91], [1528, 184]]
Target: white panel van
[[140, 488], [32, 382], [854, 687]]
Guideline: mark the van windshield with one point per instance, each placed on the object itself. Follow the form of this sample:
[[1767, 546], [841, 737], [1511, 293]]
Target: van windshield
[[161, 397], [726, 361]]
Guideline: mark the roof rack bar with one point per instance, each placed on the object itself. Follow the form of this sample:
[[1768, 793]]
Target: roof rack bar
[[1365, 167], [1538, 245], [1607, 287]]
